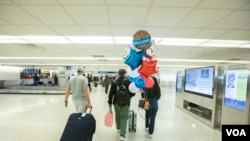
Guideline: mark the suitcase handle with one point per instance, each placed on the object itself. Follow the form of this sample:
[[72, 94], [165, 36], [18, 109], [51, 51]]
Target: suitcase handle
[[84, 114], [88, 108]]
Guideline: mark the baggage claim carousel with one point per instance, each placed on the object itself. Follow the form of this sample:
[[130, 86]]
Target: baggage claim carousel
[[32, 90]]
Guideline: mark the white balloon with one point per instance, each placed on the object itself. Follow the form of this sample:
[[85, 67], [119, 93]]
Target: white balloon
[[126, 53], [152, 50], [132, 73], [132, 88]]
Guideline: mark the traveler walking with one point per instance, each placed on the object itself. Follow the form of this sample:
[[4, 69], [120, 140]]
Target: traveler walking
[[80, 93]]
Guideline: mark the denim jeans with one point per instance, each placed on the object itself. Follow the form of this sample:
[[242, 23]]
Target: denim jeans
[[150, 115], [35, 83], [121, 118]]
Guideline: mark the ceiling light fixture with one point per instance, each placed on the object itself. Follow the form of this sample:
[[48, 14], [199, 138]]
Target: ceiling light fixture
[[181, 41], [223, 43], [5, 39], [115, 59], [91, 39], [45, 39]]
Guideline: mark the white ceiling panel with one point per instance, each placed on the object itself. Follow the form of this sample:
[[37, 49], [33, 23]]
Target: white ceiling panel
[[38, 29], [245, 56], [235, 35], [90, 50], [245, 27], [121, 50], [68, 30], [49, 14], [35, 1], [97, 30], [167, 50], [203, 17], [183, 32], [234, 20], [5, 2], [176, 3], [157, 31], [128, 2], [210, 33], [125, 30], [246, 6], [16, 15], [127, 15], [3, 22], [81, 1], [164, 16], [89, 15], [223, 4], [13, 30], [7, 47], [246, 38], [228, 56]]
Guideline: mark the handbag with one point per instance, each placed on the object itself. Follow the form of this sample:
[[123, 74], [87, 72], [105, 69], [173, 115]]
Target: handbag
[[108, 119], [144, 104]]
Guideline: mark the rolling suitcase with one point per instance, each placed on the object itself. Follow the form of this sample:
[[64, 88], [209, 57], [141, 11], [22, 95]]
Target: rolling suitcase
[[79, 127], [132, 121]]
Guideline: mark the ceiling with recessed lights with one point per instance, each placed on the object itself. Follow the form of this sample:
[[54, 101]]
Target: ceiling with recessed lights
[[97, 33]]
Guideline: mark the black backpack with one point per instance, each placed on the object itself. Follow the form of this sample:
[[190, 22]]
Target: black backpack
[[122, 94]]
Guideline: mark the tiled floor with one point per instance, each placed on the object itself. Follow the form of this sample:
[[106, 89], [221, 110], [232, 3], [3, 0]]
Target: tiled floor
[[43, 117]]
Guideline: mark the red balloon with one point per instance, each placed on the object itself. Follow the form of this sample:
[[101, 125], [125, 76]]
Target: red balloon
[[142, 76], [149, 82], [148, 67]]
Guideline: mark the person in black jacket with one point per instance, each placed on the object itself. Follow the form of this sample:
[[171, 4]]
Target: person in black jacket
[[121, 112], [36, 80], [56, 80]]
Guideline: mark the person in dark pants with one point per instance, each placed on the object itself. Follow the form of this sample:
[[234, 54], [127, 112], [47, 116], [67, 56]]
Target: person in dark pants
[[36, 80], [56, 80], [89, 82], [153, 95]]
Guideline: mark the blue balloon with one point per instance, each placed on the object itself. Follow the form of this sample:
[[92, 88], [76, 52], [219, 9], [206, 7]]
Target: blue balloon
[[139, 82], [132, 78], [134, 59]]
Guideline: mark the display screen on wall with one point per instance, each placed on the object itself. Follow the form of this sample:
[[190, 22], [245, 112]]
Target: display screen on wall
[[179, 83], [236, 89], [199, 81]]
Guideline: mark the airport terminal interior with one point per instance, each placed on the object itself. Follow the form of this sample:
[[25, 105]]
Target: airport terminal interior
[[197, 49], [29, 117]]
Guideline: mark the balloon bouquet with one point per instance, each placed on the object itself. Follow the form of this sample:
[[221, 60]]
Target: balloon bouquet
[[141, 61]]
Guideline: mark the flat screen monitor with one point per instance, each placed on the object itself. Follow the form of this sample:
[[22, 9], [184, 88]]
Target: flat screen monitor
[[179, 82], [200, 81], [236, 89]]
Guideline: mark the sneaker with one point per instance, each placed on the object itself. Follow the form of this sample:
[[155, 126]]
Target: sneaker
[[122, 138], [118, 130], [146, 129], [150, 135]]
